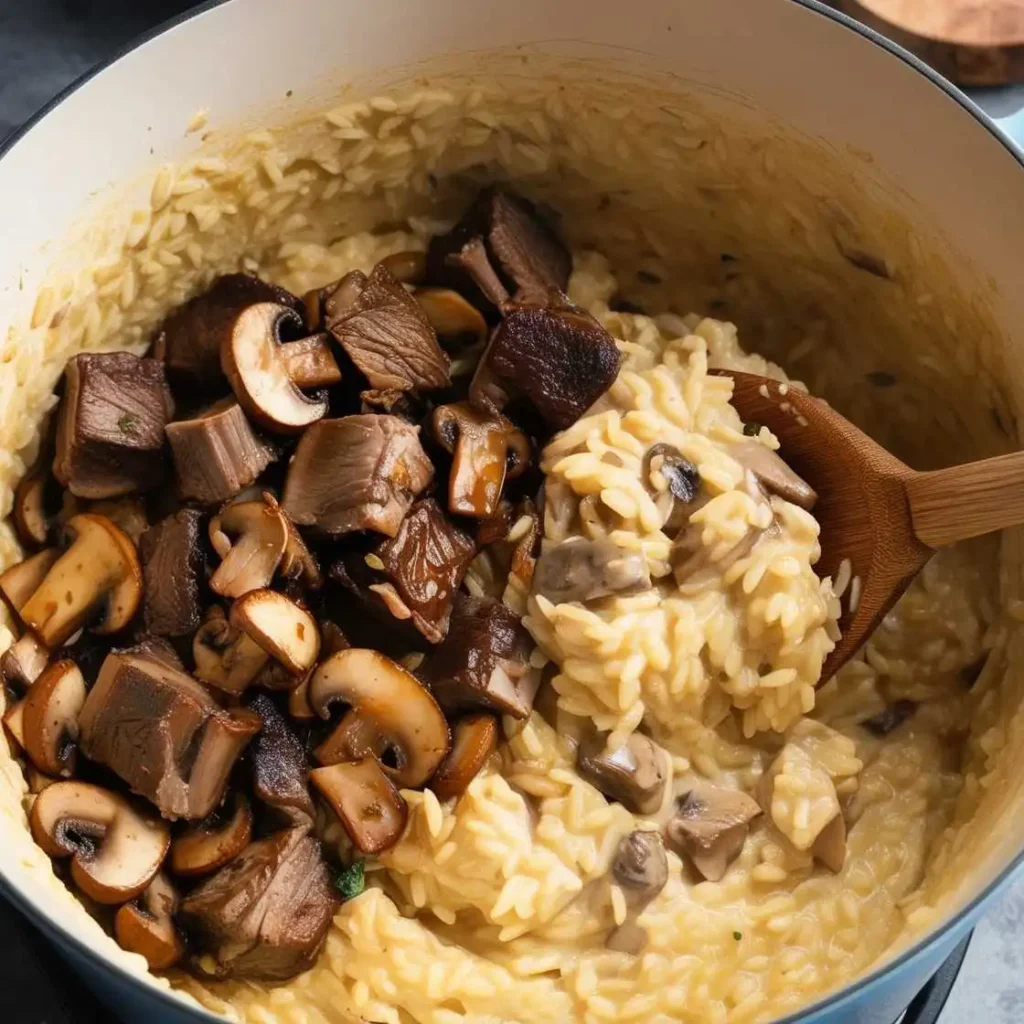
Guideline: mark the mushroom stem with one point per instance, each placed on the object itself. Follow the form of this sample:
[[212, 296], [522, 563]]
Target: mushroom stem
[[310, 363]]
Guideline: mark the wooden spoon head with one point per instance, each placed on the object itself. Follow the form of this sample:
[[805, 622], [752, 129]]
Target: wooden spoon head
[[862, 503]]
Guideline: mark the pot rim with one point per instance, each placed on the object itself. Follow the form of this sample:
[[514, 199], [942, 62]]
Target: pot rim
[[56, 931]]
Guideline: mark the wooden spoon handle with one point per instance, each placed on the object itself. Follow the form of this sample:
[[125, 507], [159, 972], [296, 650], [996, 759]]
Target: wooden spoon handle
[[954, 504]]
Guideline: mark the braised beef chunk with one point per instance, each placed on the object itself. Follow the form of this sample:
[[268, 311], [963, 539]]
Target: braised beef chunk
[[484, 661], [520, 251], [416, 575], [558, 356], [279, 765], [217, 454], [155, 647], [110, 428], [189, 339], [385, 333], [356, 473], [265, 915], [163, 733], [172, 563]]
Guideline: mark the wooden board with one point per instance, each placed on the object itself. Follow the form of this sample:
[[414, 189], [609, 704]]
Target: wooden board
[[971, 42]]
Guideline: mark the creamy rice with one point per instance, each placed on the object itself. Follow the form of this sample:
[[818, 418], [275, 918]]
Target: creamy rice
[[496, 907]]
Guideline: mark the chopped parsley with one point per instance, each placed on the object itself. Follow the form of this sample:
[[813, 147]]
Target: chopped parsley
[[128, 423], [737, 936], [351, 882]]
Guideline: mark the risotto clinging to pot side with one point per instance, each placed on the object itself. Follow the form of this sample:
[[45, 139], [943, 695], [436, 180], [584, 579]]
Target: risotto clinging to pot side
[[416, 632]]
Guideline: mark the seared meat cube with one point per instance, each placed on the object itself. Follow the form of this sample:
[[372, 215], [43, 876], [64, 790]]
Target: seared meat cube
[[280, 768], [163, 733], [265, 915], [484, 661], [110, 428], [385, 333], [356, 473], [172, 561]]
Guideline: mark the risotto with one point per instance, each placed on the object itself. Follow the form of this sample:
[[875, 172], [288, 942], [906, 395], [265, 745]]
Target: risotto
[[799, 819]]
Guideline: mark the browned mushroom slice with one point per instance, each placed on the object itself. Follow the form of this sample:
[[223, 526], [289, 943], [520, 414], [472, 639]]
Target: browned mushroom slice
[[216, 454], [110, 427], [266, 914], [50, 718], [147, 927], [385, 332], [457, 322], [225, 656], [21, 581], [172, 562], [392, 701], [116, 849], [365, 801], [484, 662], [251, 538], [298, 563], [415, 576], [99, 568], [280, 769], [513, 241], [673, 481], [332, 640], [830, 846], [710, 826], [409, 267], [14, 723], [267, 374], [210, 844], [127, 513], [633, 774], [474, 739], [772, 472], [189, 340], [486, 449], [162, 732], [37, 502], [583, 570], [285, 631], [356, 473], [22, 662], [640, 868]]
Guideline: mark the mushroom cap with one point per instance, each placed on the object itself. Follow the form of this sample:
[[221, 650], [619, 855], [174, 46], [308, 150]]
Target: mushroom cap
[[249, 562], [226, 657], [365, 800], [29, 509], [14, 723], [453, 317], [115, 849], [50, 720], [640, 865], [393, 701], [22, 662], [21, 581], [633, 774], [772, 472], [251, 357], [474, 739], [285, 631], [101, 564], [204, 847], [147, 927]]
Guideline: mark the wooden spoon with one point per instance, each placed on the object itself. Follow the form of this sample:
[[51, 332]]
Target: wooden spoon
[[874, 510]]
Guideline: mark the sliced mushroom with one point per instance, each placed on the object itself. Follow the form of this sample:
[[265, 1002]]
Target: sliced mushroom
[[409, 267], [673, 480], [251, 538], [366, 802], [35, 507], [260, 368], [226, 657], [332, 640], [285, 631], [578, 569], [22, 662], [772, 472], [50, 718], [830, 846], [457, 322], [710, 826], [110, 427], [116, 849], [474, 739], [216, 454], [14, 722], [210, 844], [486, 449], [633, 774], [172, 564], [21, 581], [147, 927], [297, 562], [100, 567], [474, 265], [127, 513], [393, 701], [640, 868], [484, 661]]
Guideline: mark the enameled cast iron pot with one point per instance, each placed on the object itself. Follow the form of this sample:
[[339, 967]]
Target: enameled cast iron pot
[[826, 78]]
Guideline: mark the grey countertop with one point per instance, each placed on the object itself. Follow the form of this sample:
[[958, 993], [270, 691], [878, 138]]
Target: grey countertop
[[45, 44]]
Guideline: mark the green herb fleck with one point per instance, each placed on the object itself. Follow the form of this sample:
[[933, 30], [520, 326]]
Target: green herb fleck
[[752, 429], [351, 882], [128, 423], [737, 936]]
